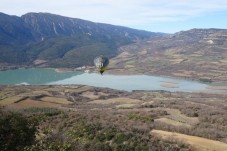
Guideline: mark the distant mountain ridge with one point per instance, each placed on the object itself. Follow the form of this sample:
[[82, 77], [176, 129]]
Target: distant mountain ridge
[[13, 30], [36, 26], [50, 37], [197, 54]]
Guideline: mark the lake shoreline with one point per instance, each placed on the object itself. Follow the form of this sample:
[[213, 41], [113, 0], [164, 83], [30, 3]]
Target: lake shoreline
[[65, 76], [165, 83], [91, 69]]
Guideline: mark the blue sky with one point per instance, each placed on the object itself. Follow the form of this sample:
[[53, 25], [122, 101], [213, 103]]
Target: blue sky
[[159, 16]]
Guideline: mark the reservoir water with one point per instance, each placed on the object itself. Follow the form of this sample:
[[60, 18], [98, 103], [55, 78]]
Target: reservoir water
[[37, 76]]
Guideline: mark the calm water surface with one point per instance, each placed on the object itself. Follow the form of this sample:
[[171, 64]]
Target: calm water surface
[[36, 76]]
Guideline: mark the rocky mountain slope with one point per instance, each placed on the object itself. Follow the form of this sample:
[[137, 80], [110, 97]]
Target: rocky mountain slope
[[54, 40]]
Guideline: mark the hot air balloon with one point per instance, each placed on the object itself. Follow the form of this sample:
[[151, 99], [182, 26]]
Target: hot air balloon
[[101, 63]]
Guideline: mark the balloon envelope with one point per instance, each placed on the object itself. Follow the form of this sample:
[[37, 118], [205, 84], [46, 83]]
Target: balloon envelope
[[101, 63]]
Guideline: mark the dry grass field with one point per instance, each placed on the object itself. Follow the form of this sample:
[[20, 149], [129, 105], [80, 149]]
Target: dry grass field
[[169, 121], [55, 100], [25, 104], [198, 119], [198, 143], [117, 101]]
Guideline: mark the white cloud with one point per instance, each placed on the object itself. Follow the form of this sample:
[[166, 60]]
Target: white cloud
[[119, 12]]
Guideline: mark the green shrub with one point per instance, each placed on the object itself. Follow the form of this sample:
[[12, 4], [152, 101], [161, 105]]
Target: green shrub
[[16, 131], [46, 111]]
